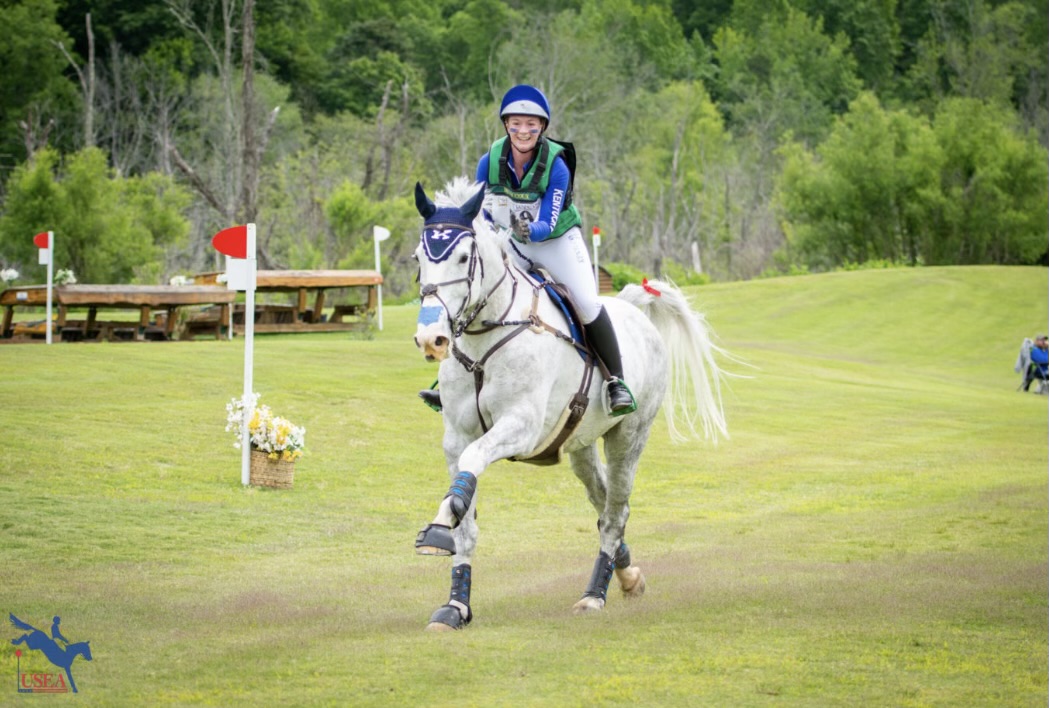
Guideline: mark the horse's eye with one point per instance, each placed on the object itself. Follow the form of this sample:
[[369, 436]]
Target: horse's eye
[[463, 258]]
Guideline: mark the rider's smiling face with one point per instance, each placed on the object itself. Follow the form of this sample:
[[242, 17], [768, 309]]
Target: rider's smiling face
[[524, 131]]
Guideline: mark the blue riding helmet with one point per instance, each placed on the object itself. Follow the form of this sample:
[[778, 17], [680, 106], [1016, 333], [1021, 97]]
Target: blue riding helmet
[[525, 100]]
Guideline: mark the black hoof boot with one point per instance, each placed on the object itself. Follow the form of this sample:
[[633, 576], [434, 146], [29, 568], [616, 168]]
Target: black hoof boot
[[456, 614], [432, 398], [448, 617], [435, 540], [620, 399]]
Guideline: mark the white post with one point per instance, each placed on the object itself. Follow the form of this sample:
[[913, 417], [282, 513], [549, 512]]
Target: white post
[[597, 244], [50, 279], [379, 234], [249, 356]]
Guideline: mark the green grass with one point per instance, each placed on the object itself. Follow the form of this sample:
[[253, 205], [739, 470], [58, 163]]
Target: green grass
[[873, 533]]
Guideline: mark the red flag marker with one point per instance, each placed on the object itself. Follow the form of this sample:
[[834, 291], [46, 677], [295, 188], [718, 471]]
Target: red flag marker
[[41, 240], [232, 242]]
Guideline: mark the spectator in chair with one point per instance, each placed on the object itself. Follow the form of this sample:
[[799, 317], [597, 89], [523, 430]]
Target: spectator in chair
[[1039, 368]]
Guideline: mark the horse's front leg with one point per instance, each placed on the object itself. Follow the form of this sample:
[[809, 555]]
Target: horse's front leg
[[510, 435], [453, 530]]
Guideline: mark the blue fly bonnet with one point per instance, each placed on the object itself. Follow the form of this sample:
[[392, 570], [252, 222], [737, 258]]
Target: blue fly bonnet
[[444, 227]]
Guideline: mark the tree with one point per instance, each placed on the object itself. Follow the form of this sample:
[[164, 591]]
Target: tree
[[995, 184], [868, 191], [34, 95], [969, 188], [983, 50], [108, 229], [786, 75], [352, 215], [678, 200], [873, 32]]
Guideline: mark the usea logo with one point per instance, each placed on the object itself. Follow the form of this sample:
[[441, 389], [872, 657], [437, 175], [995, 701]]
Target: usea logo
[[59, 654]]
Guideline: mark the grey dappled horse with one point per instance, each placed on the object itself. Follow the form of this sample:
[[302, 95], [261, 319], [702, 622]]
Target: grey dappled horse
[[509, 376]]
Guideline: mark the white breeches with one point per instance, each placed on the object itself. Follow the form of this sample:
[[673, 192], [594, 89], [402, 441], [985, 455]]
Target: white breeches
[[568, 262]]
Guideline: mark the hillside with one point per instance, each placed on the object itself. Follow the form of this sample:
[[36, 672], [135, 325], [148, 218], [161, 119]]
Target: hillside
[[963, 321]]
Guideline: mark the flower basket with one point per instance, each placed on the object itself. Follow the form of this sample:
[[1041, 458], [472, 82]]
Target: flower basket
[[274, 441], [269, 472]]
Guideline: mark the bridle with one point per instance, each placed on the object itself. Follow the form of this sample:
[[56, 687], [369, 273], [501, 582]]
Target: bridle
[[460, 322]]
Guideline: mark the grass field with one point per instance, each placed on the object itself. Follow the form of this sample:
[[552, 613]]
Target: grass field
[[874, 532]]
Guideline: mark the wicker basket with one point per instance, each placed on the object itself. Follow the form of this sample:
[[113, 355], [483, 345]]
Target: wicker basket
[[271, 473]]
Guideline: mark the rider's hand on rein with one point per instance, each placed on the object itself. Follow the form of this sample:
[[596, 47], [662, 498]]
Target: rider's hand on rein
[[519, 229]]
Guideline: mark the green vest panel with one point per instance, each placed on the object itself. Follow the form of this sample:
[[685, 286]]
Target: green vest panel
[[536, 180]]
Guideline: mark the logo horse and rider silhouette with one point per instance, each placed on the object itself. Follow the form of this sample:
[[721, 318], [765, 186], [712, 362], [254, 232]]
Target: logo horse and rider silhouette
[[60, 656]]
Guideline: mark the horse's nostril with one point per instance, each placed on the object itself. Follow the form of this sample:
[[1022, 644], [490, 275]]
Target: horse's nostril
[[440, 341]]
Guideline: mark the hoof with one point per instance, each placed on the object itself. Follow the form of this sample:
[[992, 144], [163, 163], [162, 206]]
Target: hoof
[[435, 540], [631, 581], [447, 618], [588, 604]]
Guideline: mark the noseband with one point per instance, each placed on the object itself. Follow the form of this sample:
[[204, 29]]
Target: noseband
[[460, 321]]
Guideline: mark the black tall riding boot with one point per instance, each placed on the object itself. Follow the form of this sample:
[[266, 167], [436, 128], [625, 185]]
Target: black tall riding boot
[[602, 337]]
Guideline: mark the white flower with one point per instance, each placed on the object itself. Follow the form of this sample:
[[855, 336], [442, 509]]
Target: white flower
[[64, 276], [181, 280], [8, 274], [221, 278], [266, 432]]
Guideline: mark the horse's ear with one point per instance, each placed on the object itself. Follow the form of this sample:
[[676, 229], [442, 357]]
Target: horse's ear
[[422, 202], [473, 206]]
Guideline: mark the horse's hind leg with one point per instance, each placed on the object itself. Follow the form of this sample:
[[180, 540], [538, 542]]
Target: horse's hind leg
[[586, 464], [613, 509]]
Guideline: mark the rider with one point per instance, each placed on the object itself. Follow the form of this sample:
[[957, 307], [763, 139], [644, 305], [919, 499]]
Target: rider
[[56, 633], [529, 191]]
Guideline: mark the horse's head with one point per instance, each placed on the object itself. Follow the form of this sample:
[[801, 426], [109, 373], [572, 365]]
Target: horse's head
[[81, 648], [451, 265]]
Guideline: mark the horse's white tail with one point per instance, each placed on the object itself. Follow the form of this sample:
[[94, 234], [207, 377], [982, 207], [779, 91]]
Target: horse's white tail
[[694, 385]]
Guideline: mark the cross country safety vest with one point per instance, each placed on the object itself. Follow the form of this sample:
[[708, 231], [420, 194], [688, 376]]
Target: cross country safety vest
[[504, 198]]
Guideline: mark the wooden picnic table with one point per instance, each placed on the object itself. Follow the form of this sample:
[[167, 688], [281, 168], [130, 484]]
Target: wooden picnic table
[[299, 316], [147, 299]]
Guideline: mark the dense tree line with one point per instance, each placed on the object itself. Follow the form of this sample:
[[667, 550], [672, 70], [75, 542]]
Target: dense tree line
[[727, 138]]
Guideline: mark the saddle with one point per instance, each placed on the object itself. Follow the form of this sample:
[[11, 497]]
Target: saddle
[[560, 297]]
